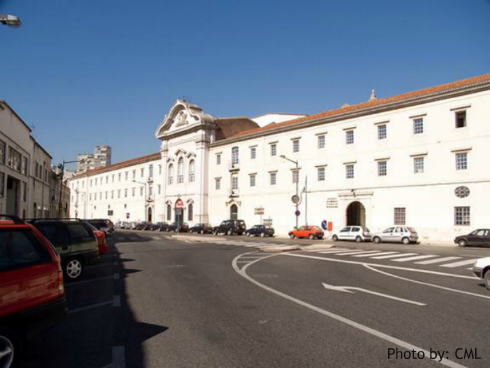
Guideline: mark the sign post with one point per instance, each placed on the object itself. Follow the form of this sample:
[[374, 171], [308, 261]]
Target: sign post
[[179, 210]]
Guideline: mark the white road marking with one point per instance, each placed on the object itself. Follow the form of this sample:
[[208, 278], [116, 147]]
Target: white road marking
[[371, 267], [366, 329], [395, 255], [438, 260], [457, 264], [357, 253], [375, 254], [379, 265], [336, 250], [347, 289], [414, 258]]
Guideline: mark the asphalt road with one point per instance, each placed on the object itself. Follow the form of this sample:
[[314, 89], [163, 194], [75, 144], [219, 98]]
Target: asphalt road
[[202, 301]]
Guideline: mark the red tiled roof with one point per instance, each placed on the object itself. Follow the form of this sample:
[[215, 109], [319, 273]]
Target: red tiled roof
[[119, 165], [373, 103]]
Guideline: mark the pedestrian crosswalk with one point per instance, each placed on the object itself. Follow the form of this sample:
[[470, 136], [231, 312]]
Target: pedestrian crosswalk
[[215, 240], [400, 257]]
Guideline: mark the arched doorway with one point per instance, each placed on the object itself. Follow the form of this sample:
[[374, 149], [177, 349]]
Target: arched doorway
[[234, 212], [356, 214], [149, 214]]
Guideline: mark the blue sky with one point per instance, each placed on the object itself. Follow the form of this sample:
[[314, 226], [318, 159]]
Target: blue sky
[[106, 71]]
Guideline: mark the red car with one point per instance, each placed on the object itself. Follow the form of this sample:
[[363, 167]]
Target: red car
[[100, 239], [32, 296], [310, 232]]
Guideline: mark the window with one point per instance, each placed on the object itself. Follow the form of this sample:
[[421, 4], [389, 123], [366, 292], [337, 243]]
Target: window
[[125, 193], [252, 180], [142, 172], [150, 171], [253, 153], [296, 145], [170, 174], [134, 174], [95, 196], [234, 156], [382, 168], [150, 190], [119, 193], [462, 216], [218, 159], [321, 174], [382, 131], [106, 195], [234, 182], [400, 218], [14, 161], [89, 197], [113, 177], [218, 183], [118, 178], [2, 152], [78, 232], [273, 149], [112, 194], [180, 171], [159, 189], [349, 171], [2, 184], [169, 212], [192, 169], [107, 179], [19, 249], [126, 175], [273, 178], [24, 191], [460, 117], [349, 137], [190, 212], [461, 161], [24, 165], [141, 191], [321, 142], [418, 165], [418, 126], [133, 192], [160, 169], [295, 176]]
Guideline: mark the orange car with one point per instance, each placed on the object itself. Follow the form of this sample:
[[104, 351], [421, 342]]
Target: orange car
[[310, 232]]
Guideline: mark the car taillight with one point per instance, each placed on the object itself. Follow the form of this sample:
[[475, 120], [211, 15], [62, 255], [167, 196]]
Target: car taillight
[[363, 234], [61, 286]]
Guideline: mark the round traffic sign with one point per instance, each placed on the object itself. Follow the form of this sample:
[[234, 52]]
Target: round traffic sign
[[324, 225], [297, 213], [295, 199]]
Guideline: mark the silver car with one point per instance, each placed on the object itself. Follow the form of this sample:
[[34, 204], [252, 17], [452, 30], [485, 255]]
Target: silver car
[[397, 234], [357, 233]]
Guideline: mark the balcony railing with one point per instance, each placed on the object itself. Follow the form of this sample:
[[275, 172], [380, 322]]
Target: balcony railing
[[234, 165]]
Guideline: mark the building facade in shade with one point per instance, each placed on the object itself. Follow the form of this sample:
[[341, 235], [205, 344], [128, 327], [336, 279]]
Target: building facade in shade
[[416, 159], [101, 157]]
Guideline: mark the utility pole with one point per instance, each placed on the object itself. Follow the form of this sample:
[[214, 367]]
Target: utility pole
[[297, 187], [62, 168]]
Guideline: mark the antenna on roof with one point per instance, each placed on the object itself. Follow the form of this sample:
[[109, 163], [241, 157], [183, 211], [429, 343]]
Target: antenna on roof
[[373, 96]]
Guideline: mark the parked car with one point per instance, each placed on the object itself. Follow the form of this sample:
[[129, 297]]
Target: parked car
[[354, 233], [477, 237], [157, 226], [119, 225], [101, 240], [201, 229], [481, 269], [132, 225], [74, 240], [310, 232], [147, 226], [230, 227], [260, 230], [397, 234], [180, 227], [31, 287], [163, 227], [101, 225], [140, 225]]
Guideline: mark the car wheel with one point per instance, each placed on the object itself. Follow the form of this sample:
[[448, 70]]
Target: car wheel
[[335, 238], [311, 237], [377, 239], [230, 232], [358, 239], [486, 277], [406, 241], [291, 236], [73, 269], [10, 348], [462, 243]]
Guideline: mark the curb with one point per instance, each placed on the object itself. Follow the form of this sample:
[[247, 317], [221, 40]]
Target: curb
[[286, 248]]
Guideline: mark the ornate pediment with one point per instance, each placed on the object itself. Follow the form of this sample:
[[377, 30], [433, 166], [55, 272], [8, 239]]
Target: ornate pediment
[[181, 116]]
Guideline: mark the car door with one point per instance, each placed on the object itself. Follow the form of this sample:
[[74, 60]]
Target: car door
[[82, 240], [397, 235], [354, 232], [486, 238], [478, 238], [387, 235], [344, 233]]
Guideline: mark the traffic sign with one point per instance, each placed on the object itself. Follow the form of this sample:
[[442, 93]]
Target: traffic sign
[[259, 210], [295, 199], [297, 213], [324, 225]]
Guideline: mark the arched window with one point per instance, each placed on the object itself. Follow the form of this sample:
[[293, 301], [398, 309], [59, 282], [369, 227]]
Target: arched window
[[170, 174], [234, 156], [192, 169], [190, 212], [169, 212], [150, 172], [180, 171]]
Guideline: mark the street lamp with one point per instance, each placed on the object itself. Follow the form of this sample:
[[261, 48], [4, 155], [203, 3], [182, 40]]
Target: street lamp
[[144, 203], [10, 20], [297, 188], [62, 168]]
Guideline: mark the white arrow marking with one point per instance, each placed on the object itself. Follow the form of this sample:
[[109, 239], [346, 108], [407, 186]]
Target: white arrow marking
[[347, 289]]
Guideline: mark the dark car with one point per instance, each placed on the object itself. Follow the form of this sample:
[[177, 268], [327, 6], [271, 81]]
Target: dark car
[[157, 226], [100, 225], [477, 237], [147, 226], [163, 226], [31, 287], [201, 229], [180, 227], [260, 230], [230, 227], [140, 225], [74, 240]]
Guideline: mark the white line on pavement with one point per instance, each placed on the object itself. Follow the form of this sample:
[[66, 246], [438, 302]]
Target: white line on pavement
[[438, 260], [89, 307], [335, 250], [366, 329], [395, 255], [375, 254], [414, 258], [357, 252], [461, 263]]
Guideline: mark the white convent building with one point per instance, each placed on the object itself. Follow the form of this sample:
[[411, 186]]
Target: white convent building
[[420, 159]]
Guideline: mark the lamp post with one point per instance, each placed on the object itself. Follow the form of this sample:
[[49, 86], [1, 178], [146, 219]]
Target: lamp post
[[10, 20], [297, 186], [144, 203], [62, 168]]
